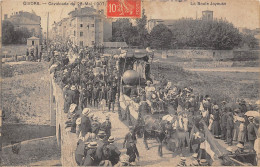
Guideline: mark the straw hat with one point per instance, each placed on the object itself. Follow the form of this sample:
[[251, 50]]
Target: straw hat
[[239, 145], [215, 107], [72, 107], [203, 162], [92, 145], [73, 87], [111, 139], [86, 111], [183, 159], [101, 133]]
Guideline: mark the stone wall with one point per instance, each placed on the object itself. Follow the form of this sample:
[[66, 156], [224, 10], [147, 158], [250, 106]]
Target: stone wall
[[66, 140]]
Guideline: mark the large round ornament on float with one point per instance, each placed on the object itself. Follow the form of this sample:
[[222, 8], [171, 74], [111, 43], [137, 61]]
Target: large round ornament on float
[[131, 77]]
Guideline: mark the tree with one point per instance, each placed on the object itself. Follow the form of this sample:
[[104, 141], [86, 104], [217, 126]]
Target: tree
[[216, 34], [160, 37], [123, 31], [7, 32], [141, 28], [12, 36], [249, 40]]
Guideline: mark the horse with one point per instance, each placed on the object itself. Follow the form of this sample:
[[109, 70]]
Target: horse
[[151, 128]]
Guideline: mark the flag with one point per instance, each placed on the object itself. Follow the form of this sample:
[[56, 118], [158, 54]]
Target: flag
[[209, 149]]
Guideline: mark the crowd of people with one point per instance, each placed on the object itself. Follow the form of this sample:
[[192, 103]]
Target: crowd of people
[[34, 53], [90, 79]]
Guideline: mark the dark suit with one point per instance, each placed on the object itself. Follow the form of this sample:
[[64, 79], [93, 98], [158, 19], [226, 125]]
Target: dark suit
[[114, 153], [230, 127], [251, 132], [79, 152], [106, 126], [128, 138], [85, 125], [111, 96], [90, 159], [224, 125], [132, 152]]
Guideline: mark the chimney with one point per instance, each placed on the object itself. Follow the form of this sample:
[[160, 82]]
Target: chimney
[[5, 17]]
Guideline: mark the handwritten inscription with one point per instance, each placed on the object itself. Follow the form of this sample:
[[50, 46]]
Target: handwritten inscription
[[208, 3]]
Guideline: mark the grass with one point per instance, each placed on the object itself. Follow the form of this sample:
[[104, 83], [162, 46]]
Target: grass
[[219, 85], [25, 93]]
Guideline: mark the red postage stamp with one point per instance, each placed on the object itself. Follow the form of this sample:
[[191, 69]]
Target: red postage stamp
[[124, 8]]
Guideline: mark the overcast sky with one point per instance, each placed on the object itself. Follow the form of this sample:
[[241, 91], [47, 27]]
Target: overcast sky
[[242, 13]]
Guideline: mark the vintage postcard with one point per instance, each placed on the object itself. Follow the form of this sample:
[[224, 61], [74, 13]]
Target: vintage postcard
[[130, 83]]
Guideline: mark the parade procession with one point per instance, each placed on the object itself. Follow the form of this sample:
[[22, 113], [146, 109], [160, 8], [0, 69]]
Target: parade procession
[[130, 83], [177, 118]]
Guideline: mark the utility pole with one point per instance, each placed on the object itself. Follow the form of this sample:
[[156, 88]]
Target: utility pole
[[47, 40], [1, 112]]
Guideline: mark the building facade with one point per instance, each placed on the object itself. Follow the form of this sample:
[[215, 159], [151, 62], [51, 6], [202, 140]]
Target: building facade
[[84, 27], [207, 15], [26, 20]]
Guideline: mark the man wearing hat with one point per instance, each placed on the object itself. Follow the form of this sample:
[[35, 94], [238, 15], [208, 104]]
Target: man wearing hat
[[95, 126], [72, 117], [111, 97], [85, 122], [240, 148], [91, 157], [95, 96], [102, 153], [230, 128], [106, 126], [114, 153], [251, 132], [215, 124], [132, 152], [73, 94], [223, 124], [130, 136], [203, 162], [80, 151]]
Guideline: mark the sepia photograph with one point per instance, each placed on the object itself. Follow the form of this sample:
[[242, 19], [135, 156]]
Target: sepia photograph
[[130, 83]]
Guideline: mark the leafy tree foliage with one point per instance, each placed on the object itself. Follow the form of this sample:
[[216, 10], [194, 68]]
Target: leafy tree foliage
[[122, 31], [249, 40], [7, 32], [160, 37], [142, 31], [215, 34], [12, 36]]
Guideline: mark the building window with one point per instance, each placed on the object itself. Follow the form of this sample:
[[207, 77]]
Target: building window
[[74, 33], [92, 25], [33, 42], [81, 25], [81, 43], [92, 42], [81, 34]]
